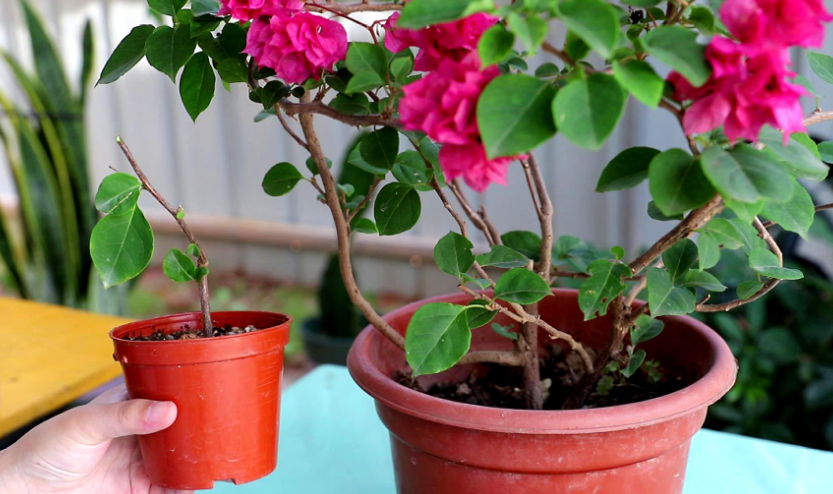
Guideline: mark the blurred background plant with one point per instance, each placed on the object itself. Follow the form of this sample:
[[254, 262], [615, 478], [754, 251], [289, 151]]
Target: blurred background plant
[[784, 347], [44, 253]]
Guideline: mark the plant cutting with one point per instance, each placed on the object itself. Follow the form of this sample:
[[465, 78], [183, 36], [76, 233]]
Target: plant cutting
[[512, 381], [222, 369]]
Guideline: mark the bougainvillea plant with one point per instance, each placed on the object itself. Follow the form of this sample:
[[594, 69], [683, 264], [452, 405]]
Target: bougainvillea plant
[[444, 94]]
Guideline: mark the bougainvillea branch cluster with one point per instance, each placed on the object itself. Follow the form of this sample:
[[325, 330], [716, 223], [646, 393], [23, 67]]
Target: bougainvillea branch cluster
[[442, 92]]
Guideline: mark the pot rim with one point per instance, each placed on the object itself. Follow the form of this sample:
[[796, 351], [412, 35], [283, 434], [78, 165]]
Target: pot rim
[[196, 315], [708, 389]]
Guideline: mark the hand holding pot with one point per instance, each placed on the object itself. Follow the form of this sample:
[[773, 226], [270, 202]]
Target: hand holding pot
[[90, 449]]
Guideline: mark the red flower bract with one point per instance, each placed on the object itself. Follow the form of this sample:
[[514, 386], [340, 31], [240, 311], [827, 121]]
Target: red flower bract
[[297, 47], [778, 23], [450, 40], [246, 10], [443, 105]]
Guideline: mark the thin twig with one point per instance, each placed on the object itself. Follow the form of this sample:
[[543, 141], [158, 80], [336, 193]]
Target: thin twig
[[320, 108], [545, 213], [478, 221], [355, 7], [288, 129], [202, 260], [549, 48], [484, 215], [365, 200]]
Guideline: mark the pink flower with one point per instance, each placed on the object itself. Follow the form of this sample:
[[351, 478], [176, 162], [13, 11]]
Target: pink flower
[[296, 47], [246, 10], [780, 23], [443, 105], [743, 94], [451, 40]]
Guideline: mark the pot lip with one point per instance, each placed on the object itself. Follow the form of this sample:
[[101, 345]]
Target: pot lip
[[282, 327], [698, 395]]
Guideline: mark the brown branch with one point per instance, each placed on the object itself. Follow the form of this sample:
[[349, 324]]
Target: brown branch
[[769, 285], [352, 8], [818, 117], [343, 233], [317, 107], [545, 213], [484, 215], [288, 129], [176, 212], [367, 198], [478, 221], [549, 48], [695, 220]]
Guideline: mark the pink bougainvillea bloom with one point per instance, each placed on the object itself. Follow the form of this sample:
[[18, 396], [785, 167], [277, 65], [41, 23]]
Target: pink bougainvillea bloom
[[296, 47], [776, 22], [450, 40], [443, 105], [744, 93], [246, 10]]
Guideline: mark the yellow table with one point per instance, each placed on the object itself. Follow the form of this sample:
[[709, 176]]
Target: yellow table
[[49, 356]]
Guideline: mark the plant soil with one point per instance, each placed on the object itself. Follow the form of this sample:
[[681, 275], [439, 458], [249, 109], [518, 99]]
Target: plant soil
[[191, 334], [500, 386]]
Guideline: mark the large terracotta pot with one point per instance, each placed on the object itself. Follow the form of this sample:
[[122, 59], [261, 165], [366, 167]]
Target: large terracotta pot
[[227, 390], [444, 447]]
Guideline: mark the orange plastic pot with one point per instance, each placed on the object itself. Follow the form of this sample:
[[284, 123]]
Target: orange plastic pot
[[227, 391], [444, 447]]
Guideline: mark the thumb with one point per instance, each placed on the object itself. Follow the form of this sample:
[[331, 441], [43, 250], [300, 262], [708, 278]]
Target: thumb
[[97, 423]]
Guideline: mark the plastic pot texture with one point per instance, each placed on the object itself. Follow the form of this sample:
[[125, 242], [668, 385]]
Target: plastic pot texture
[[227, 390], [323, 348], [444, 447]]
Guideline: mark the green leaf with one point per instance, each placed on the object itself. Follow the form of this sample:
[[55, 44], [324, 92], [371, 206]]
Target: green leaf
[[196, 86], [521, 286], [666, 299], [127, 54], [168, 49], [677, 47], [639, 78], [822, 65], [655, 213], [167, 7], [703, 19], [453, 254], [531, 30], [709, 248], [409, 168], [547, 69], [401, 68], [618, 251], [634, 363], [313, 168], [826, 151], [503, 257], [364, 81], [587, 110], [421, 13], [800, 160], [233, 70], [366, 57], [766, 262], [513, 115], [495, 45], [376, 152], [364, 225], [681, 257], [795, 215], [437, 338], [724, 232], [88, 59], [595, 21], [478, 315], [193, 250], [744, 211], [748, 235], [527, 243], [179, 267], [396, 209], [481, 284], [272, 93], [646, 328], [505, 331], [748, 289], [280, 179], [604, 284], [745, 174], [229, 44], [356, 104], [641, 3], [573, 252], [121, 247], [118, 194], [677, 182], [628, 169], [704, 280], [204, 7]]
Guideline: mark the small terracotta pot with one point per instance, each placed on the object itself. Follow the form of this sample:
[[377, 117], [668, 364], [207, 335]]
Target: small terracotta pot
[[227, 391], [444, 447]]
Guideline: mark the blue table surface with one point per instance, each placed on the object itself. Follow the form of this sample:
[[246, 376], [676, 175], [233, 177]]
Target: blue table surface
[[332, 441]]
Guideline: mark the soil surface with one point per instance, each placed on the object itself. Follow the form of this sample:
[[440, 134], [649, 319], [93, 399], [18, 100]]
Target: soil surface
[[500, 386], [191, 334]]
